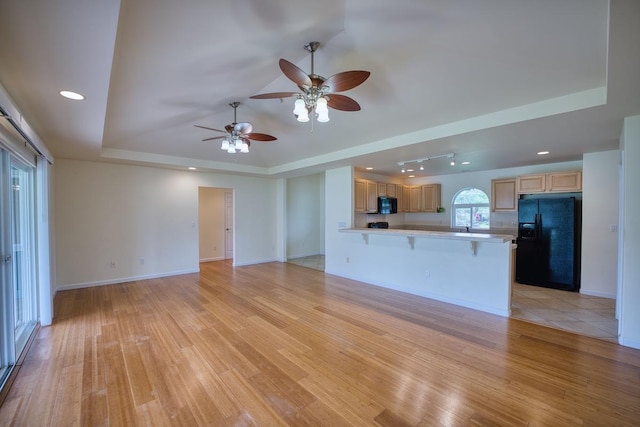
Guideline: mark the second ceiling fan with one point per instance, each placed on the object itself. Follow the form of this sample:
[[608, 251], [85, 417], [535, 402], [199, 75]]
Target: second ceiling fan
[[317, 92], [237, 134]]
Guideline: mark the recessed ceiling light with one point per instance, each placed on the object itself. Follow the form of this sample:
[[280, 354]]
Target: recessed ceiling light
[[412, 176], [72, 95], [369, 168], [466, 163], [191, 168], [409, 170], [542, 153]]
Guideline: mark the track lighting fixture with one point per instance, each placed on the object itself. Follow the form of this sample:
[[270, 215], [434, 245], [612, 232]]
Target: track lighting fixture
[[424, 159]]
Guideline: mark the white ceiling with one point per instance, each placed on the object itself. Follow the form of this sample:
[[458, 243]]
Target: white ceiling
[[493, 81]]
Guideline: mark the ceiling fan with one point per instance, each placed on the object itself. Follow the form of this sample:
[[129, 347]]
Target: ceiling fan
[[318, 92], [238, 134]]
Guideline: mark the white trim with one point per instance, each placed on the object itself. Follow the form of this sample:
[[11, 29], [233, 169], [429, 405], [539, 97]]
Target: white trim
[[218, 258], [597, 294], [263, 261], [123, 280]]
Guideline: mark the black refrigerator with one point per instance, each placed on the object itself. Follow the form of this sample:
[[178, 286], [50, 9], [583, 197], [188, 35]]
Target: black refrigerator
[[548, 251]]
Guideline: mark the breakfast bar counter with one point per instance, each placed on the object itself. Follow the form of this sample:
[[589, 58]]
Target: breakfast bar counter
[[468, 269]]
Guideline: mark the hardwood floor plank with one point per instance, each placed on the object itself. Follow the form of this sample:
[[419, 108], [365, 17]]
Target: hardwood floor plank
[[279, 344]]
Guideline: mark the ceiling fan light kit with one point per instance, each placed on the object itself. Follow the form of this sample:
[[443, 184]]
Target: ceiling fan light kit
[[318, 94], [238, 135]]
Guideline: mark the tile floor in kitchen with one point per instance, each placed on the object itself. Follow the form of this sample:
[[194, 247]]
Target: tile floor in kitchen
[[583, 314]]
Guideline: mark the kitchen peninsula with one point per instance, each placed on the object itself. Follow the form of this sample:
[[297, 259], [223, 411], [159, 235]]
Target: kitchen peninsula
[[468, 269]]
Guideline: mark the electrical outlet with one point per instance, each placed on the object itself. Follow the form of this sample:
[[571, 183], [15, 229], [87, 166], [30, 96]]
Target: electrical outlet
[[348, 260], [113, 264], [141, 261], [427, 274]]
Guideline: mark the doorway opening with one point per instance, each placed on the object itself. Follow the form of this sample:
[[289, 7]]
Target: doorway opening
[[215, 224]]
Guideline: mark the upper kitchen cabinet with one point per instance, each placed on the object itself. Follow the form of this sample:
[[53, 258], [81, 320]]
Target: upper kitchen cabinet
[[365, 196], [391, 190], [360, 196], [531, 183], [503, 195], [406, 198], [554, 182], [430, 197], [564, 181], [372, 197]]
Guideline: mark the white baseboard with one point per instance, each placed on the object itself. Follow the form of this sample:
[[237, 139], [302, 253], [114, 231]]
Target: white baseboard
[[597, 294], [263, 261], [122, 280], [219, 258]]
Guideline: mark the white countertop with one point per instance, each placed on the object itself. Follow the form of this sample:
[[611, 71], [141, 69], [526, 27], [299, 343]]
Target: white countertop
[[473, 237]]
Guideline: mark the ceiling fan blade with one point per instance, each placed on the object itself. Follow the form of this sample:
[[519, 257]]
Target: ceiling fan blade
[[294, 73], [204, 127], [260, 136], [343, 103], [345, 81], [274, 95], [215, 137], [243, 128]]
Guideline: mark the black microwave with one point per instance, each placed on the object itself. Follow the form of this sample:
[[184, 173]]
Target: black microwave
[[387, 205]]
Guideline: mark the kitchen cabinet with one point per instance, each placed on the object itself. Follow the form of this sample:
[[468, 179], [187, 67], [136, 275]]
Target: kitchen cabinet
[[414, 199], [399, 196], [382, 189], [553, 182], [430, 197], [564, 181], [365, 196], [528, 184], [372, 197], [406, 198], [503, 195], [391, 190], [360, 196]]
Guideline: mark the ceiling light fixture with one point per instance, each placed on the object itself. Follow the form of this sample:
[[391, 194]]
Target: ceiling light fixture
[[424, 159], [318, 93], [466, 163], [542, 153], [72, 95], [237, 134]]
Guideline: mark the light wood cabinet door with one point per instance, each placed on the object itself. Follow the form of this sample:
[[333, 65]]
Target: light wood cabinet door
[[503, 195], [414, 199], [399, 196], [372, 197], [564, 181], [382, 189], [531, 183], [391, 190], [406, 198], [360, 196], [430, 195]]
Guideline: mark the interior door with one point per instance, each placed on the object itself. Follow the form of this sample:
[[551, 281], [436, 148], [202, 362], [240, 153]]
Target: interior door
[[228, 224]]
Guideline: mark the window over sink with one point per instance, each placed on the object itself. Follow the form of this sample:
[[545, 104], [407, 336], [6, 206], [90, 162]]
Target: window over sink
[[470, 209]]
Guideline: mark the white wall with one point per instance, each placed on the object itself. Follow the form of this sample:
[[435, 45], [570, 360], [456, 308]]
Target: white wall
[[600, 223], [338, 214], [305, 216], [629, 322], [211, 224], [122, 213]]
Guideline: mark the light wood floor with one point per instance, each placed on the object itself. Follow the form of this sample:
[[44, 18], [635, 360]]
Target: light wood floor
[[279, 344]]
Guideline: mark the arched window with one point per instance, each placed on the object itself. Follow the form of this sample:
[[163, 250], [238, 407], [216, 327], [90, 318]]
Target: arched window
[[470, 208]]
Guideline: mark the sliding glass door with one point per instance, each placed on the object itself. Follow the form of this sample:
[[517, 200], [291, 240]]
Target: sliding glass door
[[18, 284], [22, 236]]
